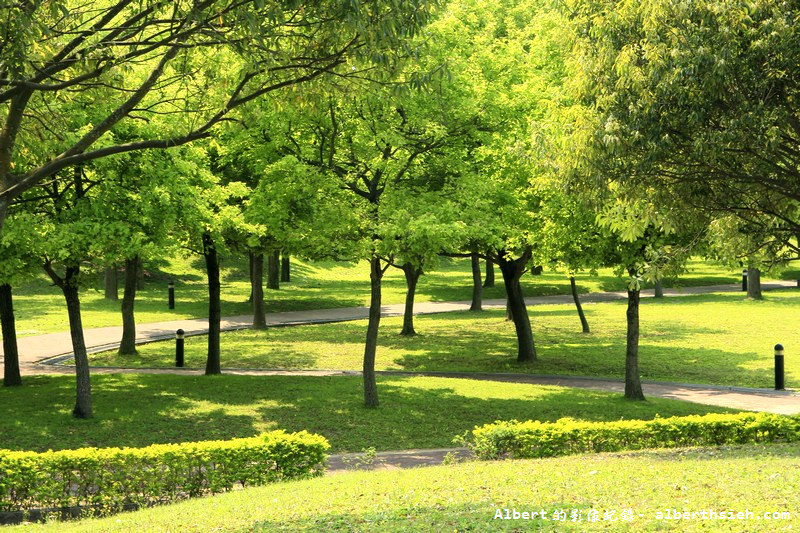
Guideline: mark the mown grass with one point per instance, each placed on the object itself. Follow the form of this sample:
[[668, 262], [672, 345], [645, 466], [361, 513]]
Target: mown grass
[[465, 497], [40, 306], [418, 412], [717, 338]]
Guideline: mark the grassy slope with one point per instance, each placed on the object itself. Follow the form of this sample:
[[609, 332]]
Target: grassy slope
[[136, 410], [465, 497], [40, 306], [717, 338]]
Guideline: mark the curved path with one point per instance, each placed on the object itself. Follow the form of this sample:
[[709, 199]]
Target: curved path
[[39, 353]]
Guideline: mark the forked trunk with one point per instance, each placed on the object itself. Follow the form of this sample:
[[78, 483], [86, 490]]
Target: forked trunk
[[212, 270], [576, 298], [11, 375], [477, 288], [633, 383], [257, 290], [512, 271], [370, 384], [412, 276], [127, 345], [273, 271]]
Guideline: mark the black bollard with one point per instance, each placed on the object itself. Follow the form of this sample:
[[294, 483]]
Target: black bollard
[[779, 384], [744, 280], [171, 294], [179, 348]]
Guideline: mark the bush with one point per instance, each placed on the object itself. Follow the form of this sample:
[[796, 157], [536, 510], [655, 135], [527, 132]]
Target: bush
[[523, 440], [105, 480]]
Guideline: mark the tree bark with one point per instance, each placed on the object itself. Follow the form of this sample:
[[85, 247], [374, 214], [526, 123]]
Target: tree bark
[[489, 281], [512, 271], [127, 345], [574, 288], [286, 268], [11, 375], [212, 271], [412, 276], [69, 286], [250, 259], [633, 383], [273, 271], [370, 347], [257, 291], [110, 283], [140, 275], [477, 288], [754, 283], [659, 289], [509, 315]]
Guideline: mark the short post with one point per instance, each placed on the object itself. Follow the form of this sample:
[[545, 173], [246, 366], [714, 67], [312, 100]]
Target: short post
[[171, 294], [744, 280], [779, 384], [179, 348]]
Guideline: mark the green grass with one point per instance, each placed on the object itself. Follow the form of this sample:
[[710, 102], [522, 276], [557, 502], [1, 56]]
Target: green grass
[[465, 497], [716, 338], [40, 306], [137, 410]]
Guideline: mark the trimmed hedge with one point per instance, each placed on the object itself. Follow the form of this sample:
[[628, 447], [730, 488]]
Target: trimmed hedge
[[524, 440], [106, 480]]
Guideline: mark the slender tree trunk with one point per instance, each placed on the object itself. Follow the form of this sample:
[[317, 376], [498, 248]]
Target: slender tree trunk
[[574, 288], [754, 283], [477, 288], [370, 384], [127, 345], [633, 383], [11, 375], [140, 275], [273, 270], [286, 268], [489, 281], [512, 270], [110, 283], [69, 286], [250, 259], [659, 289], [212, 270], [412, 276], [257, 290]]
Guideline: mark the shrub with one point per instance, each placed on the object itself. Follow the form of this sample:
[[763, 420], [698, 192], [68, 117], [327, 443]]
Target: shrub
[[521, 440], [105, 480]]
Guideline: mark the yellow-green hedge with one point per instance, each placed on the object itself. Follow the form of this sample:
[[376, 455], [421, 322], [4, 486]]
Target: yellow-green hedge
[[520, 440], [104, 480]]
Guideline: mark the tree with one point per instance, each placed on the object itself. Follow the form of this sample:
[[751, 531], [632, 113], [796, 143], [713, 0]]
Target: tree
[[698, 102]]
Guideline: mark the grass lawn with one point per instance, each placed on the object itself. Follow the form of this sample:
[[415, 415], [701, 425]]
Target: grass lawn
[[465, 497], [717, 338], [40, 307], [137, 410]]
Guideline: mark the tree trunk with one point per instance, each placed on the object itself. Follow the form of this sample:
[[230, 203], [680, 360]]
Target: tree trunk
[[69, 286], [257, 290], [110, 283], [11, 375], [212, 270], [574, 288], [477, 288], [489, 281], [127, 345], [140, 275], [250, 259], [633, 384], [412, 276], [512, 270], [286, 268], [659, 289], [509, 315], [754, 283], [273, 271], [370, 385]]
